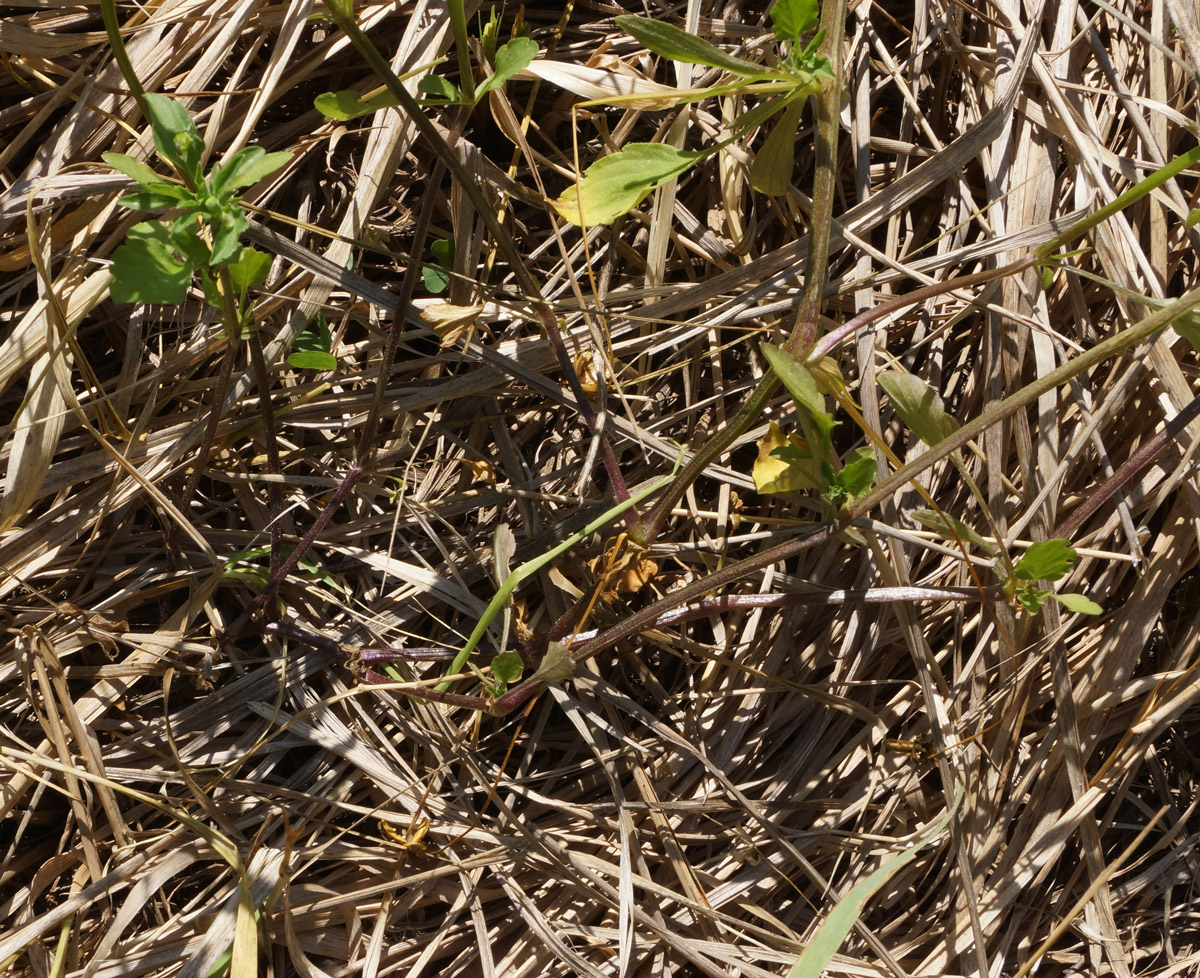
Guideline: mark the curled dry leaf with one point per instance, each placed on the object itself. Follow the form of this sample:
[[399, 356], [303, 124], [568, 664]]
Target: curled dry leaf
[[600, 85], [480, 470], [636, 575], [585, 369], [449, 321]]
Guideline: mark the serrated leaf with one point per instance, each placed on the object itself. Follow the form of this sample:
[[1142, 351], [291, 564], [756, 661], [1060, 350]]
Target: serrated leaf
[[792, 18], [345, 106], [134, 169], [784, 464], [669, 41], [510, 58], [145, 268], [1078, 603], [507, 668], [175, 135], [920, 407], [949, 527], [246, 168], [771, 171], [616, 184], [1050, 560]]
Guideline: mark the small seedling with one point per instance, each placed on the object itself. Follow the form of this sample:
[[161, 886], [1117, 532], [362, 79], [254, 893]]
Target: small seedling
[[1049, 560], [511, 58], [158, 260], [437, 276]]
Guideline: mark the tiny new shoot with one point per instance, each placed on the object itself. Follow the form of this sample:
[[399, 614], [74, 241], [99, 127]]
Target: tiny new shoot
[[158, 260], [507, 61], [1049, 560], [200, 236]]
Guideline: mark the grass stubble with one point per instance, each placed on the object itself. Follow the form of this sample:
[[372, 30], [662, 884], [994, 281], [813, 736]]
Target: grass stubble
[[693, 802]]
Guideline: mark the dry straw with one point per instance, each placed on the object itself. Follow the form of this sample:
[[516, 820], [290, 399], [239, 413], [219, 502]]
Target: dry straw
[[696, 800]]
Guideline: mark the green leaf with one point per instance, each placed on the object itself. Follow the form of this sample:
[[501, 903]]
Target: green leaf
[[157, 197], [771, 171], [312, 361], [1032, 598], [135, 169], [145, 268], [1193, 218], [175, 135], [670, 42], [1188, 326], [187, 241], [837, 925], [1050, 560], [803, 387], [1078, 603], [511, 58], [919, 406], [311, 350], [345, 106], [246, 168], [616, 184], [792, 18], [858, 473], [443, 251], [438, 87], [489, 33], [225, 241], [949, 527], [250, 268], [437, 278], [507, 668]]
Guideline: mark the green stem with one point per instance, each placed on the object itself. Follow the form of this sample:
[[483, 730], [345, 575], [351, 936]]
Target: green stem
[[1143, 330], [466, 72], [1136, 192], [108, 12], [514, 579], [808, 316], [645, 617], [828, 102]]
